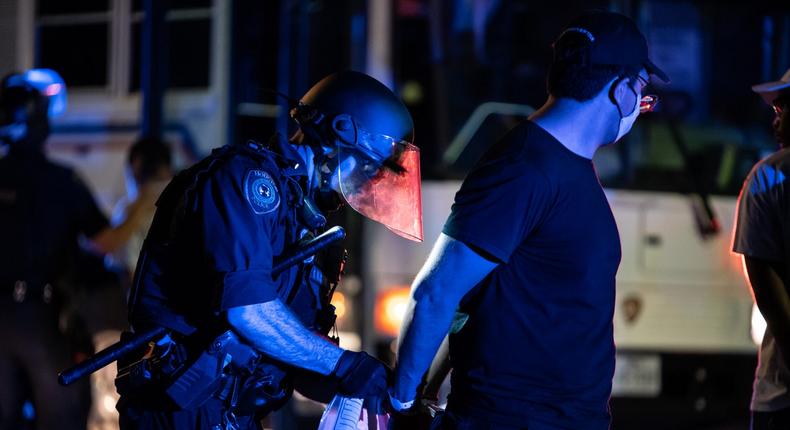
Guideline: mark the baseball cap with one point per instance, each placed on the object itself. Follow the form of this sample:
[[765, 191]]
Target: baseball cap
[[614, 40], [770, 90]]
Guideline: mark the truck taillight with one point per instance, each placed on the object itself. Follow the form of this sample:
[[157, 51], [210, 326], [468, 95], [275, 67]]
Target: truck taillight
[[390, 309]]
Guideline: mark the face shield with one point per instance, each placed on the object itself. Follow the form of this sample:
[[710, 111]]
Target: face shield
[[380, 178]]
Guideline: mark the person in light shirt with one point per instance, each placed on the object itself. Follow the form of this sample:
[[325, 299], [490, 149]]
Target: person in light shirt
[[762, 237]]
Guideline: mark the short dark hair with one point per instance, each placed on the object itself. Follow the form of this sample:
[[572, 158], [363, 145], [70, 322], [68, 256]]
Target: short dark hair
[[152, 152], [571, 74]]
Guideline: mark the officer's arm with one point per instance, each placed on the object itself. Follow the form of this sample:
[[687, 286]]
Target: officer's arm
[[271, 328], [772, 299], [452, 269]]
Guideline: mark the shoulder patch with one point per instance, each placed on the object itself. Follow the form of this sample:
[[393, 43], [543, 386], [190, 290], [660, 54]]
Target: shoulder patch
[[261, 192]]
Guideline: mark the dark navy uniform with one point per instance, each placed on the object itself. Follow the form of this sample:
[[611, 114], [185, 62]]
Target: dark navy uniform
[[44, 208], [218, 226]]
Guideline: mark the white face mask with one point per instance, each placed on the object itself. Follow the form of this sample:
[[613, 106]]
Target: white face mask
[[627, 122]]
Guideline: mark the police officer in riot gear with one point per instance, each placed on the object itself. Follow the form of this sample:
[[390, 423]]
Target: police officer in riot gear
[[45, 209], [205, 272]]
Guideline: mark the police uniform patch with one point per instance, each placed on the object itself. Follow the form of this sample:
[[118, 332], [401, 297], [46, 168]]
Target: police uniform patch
[[260, 191]]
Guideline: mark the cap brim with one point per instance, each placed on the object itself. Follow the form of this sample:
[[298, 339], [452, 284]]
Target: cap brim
[[770, 90], [652, 69]]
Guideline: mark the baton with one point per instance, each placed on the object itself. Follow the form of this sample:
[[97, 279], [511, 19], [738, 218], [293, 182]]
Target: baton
[[125, 347]]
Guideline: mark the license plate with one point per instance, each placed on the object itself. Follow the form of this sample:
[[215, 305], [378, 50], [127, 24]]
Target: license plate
[[637, 375]]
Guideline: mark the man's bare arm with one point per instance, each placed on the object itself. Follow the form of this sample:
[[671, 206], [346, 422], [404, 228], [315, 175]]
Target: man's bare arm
[[440, 367], [452, 269], [110, 239], [271, 328]]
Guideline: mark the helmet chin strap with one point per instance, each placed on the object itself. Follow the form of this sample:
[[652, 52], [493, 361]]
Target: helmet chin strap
[[318, 199], [326, 197], [321, 166], [323, 138]]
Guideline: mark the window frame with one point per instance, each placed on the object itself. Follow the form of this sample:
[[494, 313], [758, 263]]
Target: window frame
[[115, 102]]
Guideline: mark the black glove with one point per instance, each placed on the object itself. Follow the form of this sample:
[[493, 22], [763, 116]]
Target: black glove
[[360, 376]]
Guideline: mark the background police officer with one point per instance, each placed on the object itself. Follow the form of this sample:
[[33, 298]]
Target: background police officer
[[44, 209], [206, 266]]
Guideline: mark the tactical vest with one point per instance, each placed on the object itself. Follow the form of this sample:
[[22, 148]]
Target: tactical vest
[[163, 288], [166, 274]]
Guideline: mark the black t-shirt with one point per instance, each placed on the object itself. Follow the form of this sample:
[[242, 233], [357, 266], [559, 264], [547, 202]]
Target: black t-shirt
[[537, 349], [44, 208]]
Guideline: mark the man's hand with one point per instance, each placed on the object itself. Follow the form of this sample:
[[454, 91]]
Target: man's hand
[[360, 375], [417, 417], [400, 406]]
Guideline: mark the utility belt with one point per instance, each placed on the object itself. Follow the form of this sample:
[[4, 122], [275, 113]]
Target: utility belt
[[227, 369], [189, 372]]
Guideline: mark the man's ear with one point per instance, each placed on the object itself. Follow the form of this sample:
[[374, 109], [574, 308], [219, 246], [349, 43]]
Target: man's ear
[[616, 90], [619, 93], [344, 127]]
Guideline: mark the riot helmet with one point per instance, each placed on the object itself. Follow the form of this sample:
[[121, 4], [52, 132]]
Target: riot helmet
[[27, 102], [363, 133]]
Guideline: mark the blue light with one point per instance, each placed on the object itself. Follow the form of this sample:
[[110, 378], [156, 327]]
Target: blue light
[[49, 83], [765, 179], [28, 411]]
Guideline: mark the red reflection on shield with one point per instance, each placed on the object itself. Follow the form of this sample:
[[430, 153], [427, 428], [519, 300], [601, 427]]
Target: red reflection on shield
[[391, 198]]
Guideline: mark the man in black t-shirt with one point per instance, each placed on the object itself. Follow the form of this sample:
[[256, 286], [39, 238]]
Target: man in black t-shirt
[[523, 275]]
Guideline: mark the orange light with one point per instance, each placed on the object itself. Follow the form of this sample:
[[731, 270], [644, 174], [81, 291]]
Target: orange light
[[339, 302], [390, 309]]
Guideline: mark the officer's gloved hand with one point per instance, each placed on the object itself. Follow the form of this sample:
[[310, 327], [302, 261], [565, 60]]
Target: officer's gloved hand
[[360, 376]]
